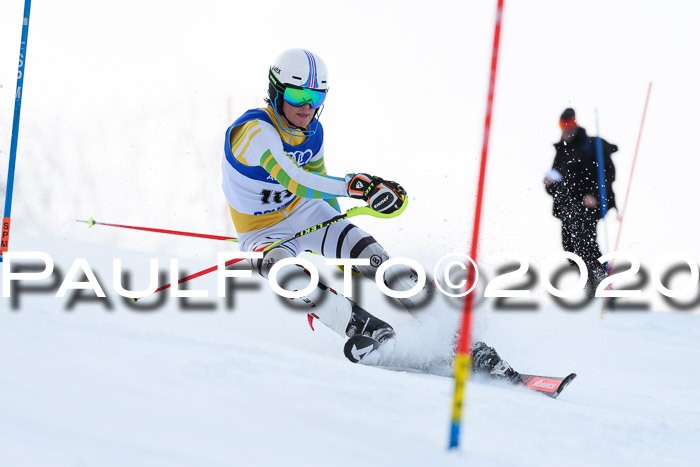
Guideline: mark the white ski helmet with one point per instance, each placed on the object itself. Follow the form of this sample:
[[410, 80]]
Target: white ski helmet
[[299, 68], [298, 77]]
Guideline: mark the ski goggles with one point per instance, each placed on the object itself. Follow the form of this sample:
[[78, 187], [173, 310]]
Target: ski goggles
[[297, 96], [565, 123]]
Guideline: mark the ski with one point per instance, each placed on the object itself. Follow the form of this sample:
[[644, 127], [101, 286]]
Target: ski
[[357, 348], [549, 385]]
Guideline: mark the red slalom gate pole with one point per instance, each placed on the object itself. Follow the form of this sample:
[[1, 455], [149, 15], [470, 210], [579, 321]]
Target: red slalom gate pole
[[634, 163], [197, 274], [92, 222], [463, 358], [627, 194]]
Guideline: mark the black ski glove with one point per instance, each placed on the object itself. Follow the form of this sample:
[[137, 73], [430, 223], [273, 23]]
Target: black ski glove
[[382, 195]]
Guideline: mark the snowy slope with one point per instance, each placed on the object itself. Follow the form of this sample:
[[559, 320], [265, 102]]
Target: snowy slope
[[252, 385]]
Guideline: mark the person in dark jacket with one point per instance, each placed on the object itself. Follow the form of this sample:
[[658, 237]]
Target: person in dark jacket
[[574, 184]]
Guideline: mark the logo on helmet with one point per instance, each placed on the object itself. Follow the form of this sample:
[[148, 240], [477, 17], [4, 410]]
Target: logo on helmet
[[275, 69]]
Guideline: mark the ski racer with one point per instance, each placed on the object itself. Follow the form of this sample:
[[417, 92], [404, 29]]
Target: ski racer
[[275, 182]]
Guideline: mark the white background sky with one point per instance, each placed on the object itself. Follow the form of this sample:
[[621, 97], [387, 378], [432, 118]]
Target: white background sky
[[126, 104]]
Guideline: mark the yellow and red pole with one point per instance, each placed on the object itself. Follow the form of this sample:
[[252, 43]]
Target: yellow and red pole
[[462, 364]]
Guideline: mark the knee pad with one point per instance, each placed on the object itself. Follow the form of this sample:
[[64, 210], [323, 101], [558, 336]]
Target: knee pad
[[399, 277], [376, 255], [263, 265]]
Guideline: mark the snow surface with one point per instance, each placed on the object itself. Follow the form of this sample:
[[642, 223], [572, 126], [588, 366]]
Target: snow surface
[[251, 384], [124, 111]]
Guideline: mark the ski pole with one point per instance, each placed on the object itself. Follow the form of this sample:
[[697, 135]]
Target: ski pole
[[5, 238], [196, 275], [352, 212], [92, 222], [462, 365]]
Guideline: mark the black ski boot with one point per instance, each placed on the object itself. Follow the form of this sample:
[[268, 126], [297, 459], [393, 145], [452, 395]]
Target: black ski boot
[[595, 277], [486, 361], [364, 324], [365, 334]]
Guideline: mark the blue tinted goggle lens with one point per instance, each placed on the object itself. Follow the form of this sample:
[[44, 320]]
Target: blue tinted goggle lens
[[300, 96]]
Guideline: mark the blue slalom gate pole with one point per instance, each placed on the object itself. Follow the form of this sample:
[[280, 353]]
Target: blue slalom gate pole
[[602, 188], [5, 239]]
